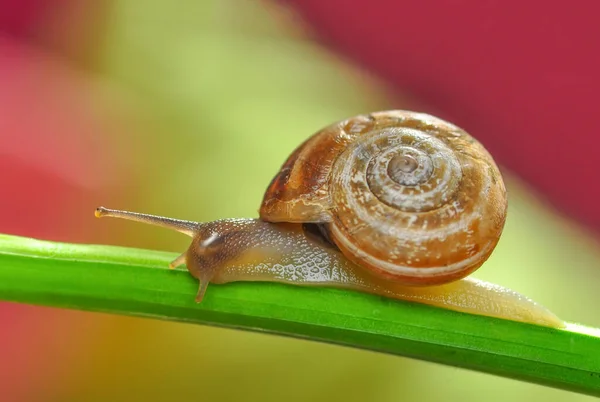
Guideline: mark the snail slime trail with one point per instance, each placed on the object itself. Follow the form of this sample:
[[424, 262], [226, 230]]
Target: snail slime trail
[[394, 203]]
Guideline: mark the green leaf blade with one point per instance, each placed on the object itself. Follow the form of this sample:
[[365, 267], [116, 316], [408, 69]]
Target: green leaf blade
[[137, 282]]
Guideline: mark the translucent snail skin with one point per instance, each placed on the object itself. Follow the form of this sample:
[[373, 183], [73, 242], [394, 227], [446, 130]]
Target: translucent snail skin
[[395, 203]]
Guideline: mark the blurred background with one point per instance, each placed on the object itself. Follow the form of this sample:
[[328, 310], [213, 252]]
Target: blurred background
[[187, 109]]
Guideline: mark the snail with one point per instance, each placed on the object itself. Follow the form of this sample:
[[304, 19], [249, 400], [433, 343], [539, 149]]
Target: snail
[[394, 203]]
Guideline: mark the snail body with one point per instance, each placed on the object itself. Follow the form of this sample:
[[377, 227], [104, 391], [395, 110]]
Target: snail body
[[399, 204]]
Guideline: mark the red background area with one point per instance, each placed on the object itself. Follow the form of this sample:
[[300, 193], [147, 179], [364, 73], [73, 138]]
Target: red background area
[[523, 77]]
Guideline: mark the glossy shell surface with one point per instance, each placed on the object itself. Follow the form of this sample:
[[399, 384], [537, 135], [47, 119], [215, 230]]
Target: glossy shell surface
[[409, 196]]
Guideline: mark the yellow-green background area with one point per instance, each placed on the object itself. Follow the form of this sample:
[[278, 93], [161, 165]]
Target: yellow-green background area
[[216, 95]]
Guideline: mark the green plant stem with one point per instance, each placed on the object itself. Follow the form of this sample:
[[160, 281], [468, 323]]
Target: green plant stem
[[137, 282]]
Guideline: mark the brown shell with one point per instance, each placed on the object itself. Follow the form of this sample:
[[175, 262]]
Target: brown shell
[[407, 195]]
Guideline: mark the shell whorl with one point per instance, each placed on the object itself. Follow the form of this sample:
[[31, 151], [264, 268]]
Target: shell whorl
[[410, 196]]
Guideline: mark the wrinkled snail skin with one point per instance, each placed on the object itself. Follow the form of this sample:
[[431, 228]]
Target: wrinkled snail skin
[[234, 250], [407, 195], [287, 254], [398, 204]]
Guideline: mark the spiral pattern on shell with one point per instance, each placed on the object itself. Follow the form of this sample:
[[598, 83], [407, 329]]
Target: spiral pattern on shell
[[410, 196]]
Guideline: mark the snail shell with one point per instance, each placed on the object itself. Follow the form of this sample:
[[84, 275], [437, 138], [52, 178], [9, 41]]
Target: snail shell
[[411, 197]]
